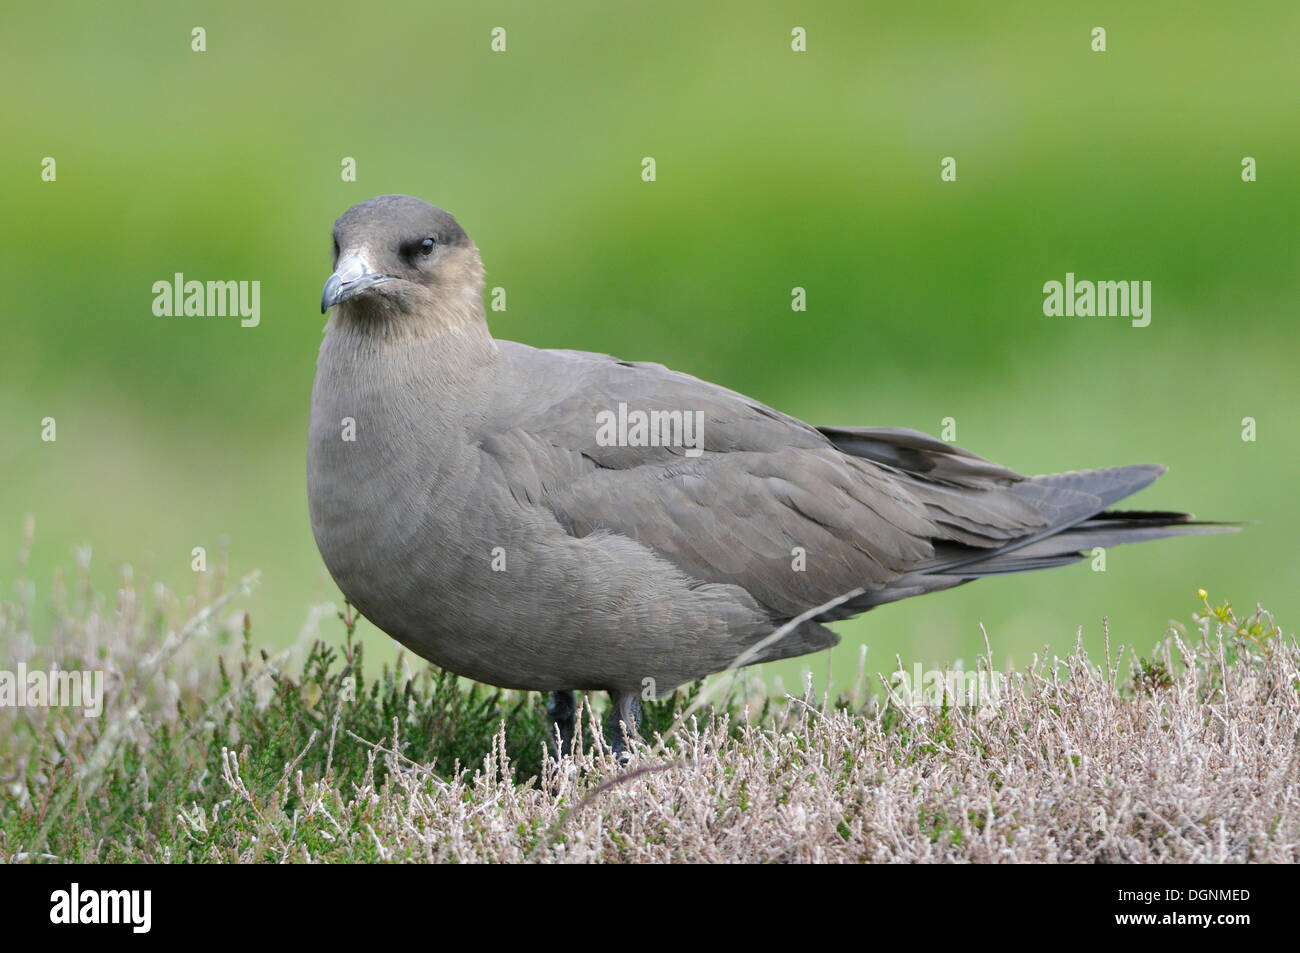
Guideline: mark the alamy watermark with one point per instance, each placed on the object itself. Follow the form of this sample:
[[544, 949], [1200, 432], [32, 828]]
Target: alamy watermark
[[955, 688], [56, 688], [1101, 299], [133, 908], [653, 428], [210, 299]]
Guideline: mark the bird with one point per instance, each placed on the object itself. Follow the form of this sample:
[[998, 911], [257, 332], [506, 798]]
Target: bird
[[561, 521]]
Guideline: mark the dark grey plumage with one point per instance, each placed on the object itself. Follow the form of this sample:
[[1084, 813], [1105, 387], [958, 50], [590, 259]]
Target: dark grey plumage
[[625, 567]]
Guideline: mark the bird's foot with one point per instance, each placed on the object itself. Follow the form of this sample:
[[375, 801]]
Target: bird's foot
[[561, 712], [622, 724]]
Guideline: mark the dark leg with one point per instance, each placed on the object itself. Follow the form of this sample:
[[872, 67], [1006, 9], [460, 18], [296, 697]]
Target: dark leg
[[622, 723], [561, 707]]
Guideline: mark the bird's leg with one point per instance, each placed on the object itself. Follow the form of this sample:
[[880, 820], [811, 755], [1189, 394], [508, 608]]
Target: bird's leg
[[622, 723], [560, 710]]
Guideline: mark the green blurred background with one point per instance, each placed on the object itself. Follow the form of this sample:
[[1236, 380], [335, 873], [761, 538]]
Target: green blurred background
[[775, 169]]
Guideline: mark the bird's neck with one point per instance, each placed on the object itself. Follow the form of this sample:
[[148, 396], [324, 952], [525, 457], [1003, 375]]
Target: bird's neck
[[405, 370], [390, 413]]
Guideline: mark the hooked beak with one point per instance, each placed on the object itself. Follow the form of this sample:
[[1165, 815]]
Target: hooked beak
[[350, 279]]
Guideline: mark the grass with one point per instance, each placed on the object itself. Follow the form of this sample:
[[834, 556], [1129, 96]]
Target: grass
[[209, 750]]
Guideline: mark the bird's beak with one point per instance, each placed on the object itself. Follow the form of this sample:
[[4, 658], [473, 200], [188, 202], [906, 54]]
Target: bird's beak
[[351, 278]]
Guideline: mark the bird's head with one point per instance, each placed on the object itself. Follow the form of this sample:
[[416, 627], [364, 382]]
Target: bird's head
[[401, 258]]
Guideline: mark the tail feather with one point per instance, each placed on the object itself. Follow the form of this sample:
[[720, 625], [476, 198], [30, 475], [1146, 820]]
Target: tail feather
[[1077, 519], [1112, 528], [1071, 513]]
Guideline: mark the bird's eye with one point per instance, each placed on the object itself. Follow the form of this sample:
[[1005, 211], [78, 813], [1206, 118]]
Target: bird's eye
[[426, 247]]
